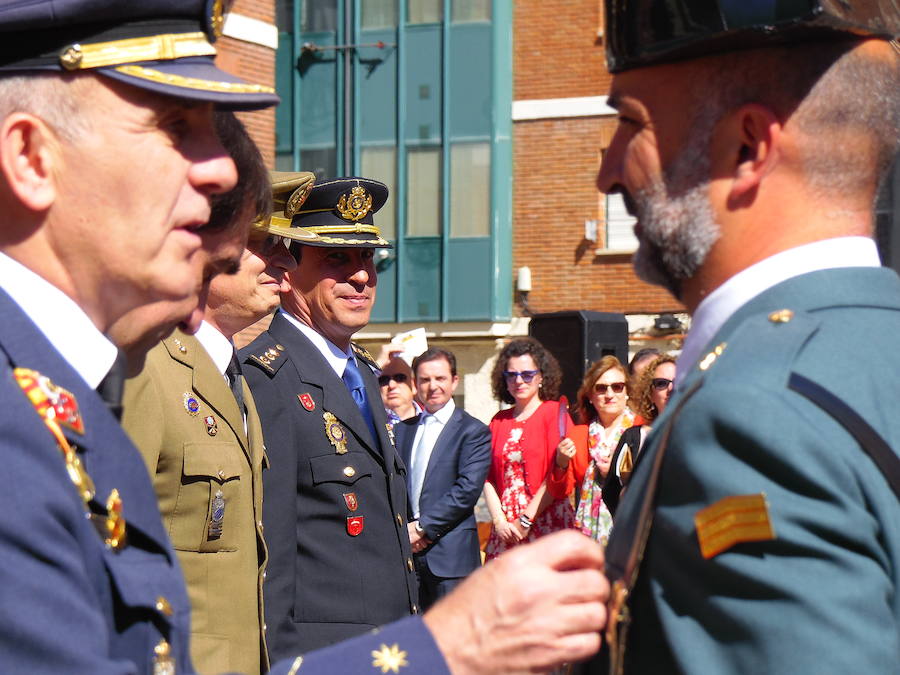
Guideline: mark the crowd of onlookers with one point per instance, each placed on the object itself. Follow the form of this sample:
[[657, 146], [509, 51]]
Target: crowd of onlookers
[[554, 465]]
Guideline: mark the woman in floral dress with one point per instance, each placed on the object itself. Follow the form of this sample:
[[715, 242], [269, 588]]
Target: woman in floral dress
[[583, 457], [524, 440]]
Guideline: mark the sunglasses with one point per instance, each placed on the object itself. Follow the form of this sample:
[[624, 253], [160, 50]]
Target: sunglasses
[[617, 387], [526, 375], [660, 383], [266, 247], [399, 378]]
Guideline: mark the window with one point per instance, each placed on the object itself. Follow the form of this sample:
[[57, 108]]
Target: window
[[619, 225]]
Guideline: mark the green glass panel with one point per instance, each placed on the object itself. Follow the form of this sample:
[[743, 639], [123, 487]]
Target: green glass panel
[[423, 84], [470, 80], [420, 274], [469, 295]]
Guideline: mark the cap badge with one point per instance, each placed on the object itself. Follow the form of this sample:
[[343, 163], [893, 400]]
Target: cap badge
[[356, 206], [71, 57], [355, 525], [217, 18], [307, 401], [191, 404], [351, 501], [335, 433], [295, 201], [212, 427]]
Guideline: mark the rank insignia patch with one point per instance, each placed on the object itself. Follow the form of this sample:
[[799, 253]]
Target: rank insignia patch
[[351, 501], [191, 404], [389, 659], [212, 427], [733, 520], [355, 525], [307, 401], [335, 433]]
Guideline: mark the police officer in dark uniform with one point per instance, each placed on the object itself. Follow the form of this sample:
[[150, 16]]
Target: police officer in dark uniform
[[335, 497], [759, 532]]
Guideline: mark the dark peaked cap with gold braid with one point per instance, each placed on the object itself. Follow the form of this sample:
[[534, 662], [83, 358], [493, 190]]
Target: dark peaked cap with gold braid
[[340, 212], [164, 46]]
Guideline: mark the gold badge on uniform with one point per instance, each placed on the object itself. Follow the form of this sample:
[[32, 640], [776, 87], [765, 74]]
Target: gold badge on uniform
[[163, 662], [351, 501], [212, 427], [115, 523], [733, 520], [389, 659], [335, 433], [51, 401]]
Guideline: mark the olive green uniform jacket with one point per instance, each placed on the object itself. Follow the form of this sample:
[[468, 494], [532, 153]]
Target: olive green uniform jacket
[[183, 418]]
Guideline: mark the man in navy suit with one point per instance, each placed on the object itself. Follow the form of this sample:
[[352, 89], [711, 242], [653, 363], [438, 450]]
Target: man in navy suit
[[448, 453]]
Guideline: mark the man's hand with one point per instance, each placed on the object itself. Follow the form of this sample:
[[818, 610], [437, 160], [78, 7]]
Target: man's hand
[[418, 542], [532, 609]]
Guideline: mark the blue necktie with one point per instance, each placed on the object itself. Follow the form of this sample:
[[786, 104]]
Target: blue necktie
[[353, 379]]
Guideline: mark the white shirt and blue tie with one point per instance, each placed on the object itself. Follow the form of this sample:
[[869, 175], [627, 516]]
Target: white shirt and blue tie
[[429, 428]]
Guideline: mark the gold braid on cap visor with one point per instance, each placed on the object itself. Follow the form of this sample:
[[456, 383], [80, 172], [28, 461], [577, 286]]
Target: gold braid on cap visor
[[166, 47]]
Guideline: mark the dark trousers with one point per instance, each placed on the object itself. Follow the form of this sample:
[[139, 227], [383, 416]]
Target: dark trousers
[[432, 588]]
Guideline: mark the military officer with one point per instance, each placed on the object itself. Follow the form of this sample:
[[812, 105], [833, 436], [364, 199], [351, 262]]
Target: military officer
[[203, 444], [335, 499], [759, 532]]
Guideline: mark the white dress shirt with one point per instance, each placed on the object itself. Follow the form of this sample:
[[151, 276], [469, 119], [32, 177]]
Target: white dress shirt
[[718, 306], [427, 433], [336, 357], [61, 320], [219, 347]]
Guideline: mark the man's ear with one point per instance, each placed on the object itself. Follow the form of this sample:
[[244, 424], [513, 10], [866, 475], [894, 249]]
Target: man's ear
[[752, 149], [28, 152]]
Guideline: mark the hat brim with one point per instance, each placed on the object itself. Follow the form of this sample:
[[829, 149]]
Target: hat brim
[[196, 79], [348, 241]]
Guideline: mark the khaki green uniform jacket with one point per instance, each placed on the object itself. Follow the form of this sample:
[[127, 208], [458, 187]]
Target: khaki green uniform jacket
[[183, 418]]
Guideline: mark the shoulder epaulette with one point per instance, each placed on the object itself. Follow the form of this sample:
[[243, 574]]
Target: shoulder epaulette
[[268, 356], [363, 354]]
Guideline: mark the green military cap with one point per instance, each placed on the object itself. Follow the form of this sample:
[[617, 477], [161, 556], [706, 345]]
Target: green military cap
[[649, 32]]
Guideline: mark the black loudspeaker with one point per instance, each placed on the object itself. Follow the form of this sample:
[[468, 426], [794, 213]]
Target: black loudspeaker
[[577, 339]]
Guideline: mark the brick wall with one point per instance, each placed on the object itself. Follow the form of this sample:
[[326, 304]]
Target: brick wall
[[558, 54], [556, 49], [556, 163], [256, 64]]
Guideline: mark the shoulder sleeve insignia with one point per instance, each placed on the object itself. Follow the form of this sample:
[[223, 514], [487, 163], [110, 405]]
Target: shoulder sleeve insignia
[[733, 520], [389, 659], [363, 353]]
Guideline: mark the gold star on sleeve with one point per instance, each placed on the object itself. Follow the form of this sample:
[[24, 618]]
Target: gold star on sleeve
[[389, 659]]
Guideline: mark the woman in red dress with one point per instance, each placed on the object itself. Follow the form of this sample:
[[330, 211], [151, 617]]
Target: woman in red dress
[[524, 440]]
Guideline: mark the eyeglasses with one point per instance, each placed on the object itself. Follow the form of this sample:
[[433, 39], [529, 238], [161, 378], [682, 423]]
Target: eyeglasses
[[526, 375], [660, 383], [399, 378], [617, 387]]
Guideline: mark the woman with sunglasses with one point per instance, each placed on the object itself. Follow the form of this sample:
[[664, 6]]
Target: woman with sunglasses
[[397, 391], [523, 441], [583, 457], [650, 398]]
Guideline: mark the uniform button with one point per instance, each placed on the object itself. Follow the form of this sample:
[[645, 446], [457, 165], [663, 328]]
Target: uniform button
[[162, 605], [409, 564], [400, 520], [221, 474], [264, 575], [259, 524], [349, 471], [415, 608], [265, 628]]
